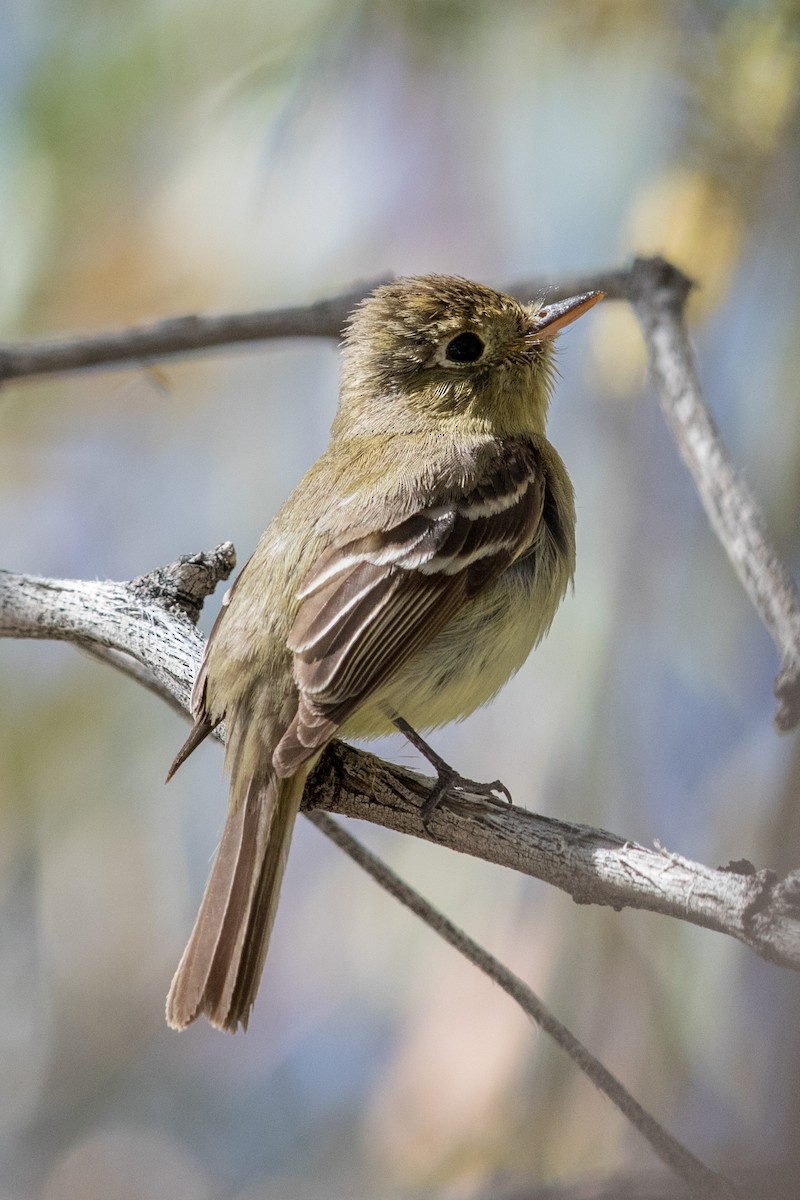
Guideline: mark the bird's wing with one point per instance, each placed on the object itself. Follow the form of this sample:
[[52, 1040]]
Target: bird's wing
[[368, 604]]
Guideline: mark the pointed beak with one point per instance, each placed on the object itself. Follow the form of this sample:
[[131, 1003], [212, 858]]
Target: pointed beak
[[550, 319]]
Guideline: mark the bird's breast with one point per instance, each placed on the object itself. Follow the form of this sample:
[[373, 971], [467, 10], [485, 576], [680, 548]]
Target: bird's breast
[[466, 664]]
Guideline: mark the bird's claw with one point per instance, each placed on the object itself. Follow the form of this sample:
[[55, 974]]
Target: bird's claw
[[452, 786], [449, 783]]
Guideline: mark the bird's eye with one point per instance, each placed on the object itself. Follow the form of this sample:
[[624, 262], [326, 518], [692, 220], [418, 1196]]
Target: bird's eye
[[466, 347]]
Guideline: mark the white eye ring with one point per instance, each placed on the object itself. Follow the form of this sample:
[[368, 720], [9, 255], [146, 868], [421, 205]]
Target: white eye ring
[[465, 347], [462, 349]]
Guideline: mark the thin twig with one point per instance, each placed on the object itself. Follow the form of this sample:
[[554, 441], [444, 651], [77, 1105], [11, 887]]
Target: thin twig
[[658, 292], [185, 334], [702, 1181]]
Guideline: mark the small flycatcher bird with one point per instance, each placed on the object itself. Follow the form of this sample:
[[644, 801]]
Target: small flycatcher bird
[[408, 575]]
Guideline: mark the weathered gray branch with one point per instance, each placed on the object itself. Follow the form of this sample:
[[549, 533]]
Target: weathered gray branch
[[592, 865], [185, 334], [659, 296]]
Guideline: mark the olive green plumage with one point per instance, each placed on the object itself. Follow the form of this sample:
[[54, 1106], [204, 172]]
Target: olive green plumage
[[410, 572]]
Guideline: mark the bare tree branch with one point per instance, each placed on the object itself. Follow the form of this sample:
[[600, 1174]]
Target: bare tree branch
[[592, 865], [658, 293], [185, 334]]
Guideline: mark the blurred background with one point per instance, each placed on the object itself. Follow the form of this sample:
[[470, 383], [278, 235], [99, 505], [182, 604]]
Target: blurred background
[[158, 156]]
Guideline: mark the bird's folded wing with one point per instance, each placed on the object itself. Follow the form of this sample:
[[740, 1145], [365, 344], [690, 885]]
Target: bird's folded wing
[[370, 603]]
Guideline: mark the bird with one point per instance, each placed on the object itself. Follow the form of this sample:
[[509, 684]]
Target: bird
[[406, 578]]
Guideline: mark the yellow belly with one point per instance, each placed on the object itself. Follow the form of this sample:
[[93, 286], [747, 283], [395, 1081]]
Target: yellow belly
[[470, 660]]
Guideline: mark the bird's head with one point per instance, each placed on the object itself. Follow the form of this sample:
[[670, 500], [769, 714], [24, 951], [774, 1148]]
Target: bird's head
[[434, 349]]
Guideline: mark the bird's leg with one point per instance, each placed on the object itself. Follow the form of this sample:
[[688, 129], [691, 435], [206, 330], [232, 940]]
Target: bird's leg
[[448, 781]]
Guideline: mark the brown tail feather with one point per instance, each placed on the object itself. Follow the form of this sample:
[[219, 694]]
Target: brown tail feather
[[220, 971], [203, 726]]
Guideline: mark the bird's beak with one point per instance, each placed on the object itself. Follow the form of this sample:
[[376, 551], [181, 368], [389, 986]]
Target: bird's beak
[[552, 318]]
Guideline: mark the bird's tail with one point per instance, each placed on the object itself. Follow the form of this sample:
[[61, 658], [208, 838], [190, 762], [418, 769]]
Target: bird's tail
[[220, 971]]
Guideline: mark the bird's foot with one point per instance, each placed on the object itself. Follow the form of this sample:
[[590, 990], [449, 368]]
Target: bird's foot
[[449, 783]]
